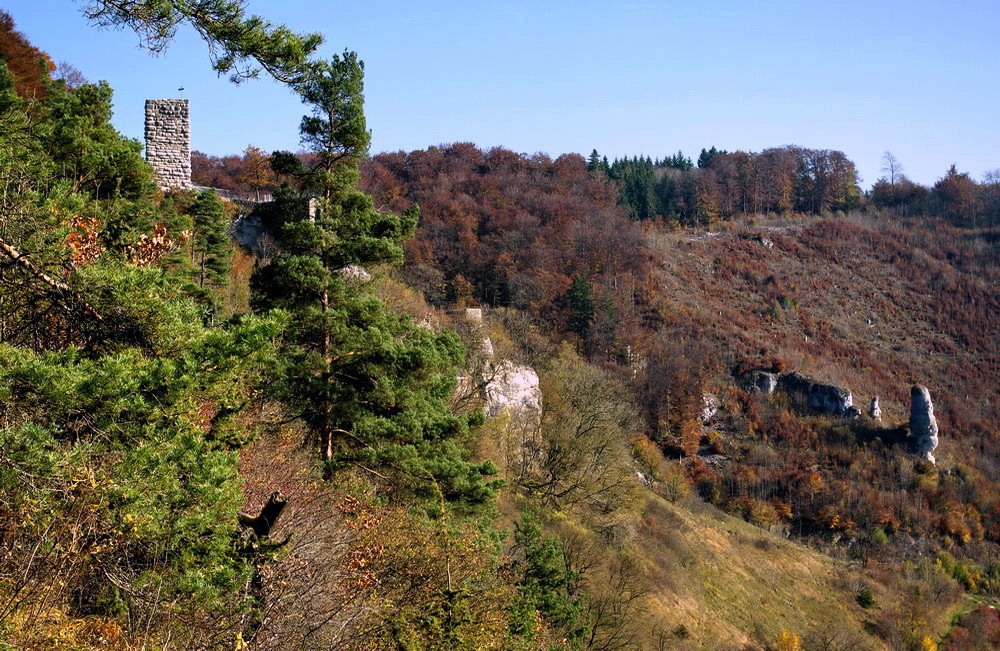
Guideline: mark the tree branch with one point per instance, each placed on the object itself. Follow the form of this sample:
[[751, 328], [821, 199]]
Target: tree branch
[[30, 267]]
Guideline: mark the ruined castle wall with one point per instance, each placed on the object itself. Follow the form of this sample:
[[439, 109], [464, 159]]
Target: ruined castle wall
[[168, 141]]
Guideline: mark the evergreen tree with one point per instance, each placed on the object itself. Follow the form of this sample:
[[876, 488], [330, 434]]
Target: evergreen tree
[[594, 162], [86, 149], [238, 44], [708, 155], [545, 586], [209, 241], [372, 386]]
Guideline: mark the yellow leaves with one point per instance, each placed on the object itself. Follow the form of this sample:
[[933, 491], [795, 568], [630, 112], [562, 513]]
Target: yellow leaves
[[788, 642], [814, 483], [927, 644], [52, 629]]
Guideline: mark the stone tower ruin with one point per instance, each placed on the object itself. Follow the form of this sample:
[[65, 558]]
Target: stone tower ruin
[[168, 141]]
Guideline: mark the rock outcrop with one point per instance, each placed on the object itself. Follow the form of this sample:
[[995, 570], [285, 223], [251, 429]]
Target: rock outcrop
[[513, 388], [505, 386], [923, 425], [824, 398], [355, 272], [710, 407], [764, 382], [875, 411]]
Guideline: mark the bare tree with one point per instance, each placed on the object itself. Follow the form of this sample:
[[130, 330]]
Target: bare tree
[[70, 74], [892, 167]]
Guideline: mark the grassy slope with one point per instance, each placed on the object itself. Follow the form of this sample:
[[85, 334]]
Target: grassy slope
[[730, 583], [865, 306]]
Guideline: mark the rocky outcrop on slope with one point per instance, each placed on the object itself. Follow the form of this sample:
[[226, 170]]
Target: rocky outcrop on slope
[[923, 425], [505, 387], [824, 398], [875, 411], [514, 389], [764, 382], [710, 407]]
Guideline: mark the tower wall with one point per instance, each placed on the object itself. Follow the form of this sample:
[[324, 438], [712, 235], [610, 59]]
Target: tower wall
[[168, 141]]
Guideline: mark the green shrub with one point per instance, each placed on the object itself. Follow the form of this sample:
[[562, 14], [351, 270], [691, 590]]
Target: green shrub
[[865, 598]]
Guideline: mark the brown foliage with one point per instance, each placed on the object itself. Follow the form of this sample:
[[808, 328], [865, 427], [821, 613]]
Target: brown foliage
[[84, 240], [29, 66], [150, 249], [508, 230]]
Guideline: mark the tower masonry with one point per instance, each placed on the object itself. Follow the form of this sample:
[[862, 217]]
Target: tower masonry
[[168, 141]]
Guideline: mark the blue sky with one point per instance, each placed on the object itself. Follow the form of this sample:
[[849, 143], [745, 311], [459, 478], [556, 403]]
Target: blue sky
[[917, 78]]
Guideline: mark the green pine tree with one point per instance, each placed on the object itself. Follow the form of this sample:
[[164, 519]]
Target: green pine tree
[[372, 386], [545, 586], [209, 241]]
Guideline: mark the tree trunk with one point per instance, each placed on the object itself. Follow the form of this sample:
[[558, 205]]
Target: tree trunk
[[326, 428]]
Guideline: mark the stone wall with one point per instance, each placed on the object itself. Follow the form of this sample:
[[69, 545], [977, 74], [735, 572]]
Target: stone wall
[[168, 141]]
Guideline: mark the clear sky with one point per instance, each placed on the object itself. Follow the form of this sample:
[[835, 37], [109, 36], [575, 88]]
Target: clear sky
[[918, 78]]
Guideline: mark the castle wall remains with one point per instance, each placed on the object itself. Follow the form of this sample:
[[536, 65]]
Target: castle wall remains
[[168, 141]]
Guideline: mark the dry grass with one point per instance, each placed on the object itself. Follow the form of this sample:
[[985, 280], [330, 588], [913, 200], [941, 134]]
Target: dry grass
[[730, 584]]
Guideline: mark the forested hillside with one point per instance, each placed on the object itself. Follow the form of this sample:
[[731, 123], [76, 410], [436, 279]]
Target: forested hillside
[[465, 399]]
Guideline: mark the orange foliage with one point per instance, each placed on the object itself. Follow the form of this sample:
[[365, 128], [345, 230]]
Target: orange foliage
[[29, 66], [84, 241], [150, 249]]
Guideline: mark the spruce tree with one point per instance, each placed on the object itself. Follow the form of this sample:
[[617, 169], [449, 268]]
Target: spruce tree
[[372, 386]]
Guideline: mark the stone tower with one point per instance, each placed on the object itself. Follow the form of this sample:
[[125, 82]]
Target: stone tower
[[168, 141]]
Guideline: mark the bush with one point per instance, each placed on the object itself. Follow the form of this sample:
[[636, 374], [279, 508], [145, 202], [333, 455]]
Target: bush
[[865, 598]]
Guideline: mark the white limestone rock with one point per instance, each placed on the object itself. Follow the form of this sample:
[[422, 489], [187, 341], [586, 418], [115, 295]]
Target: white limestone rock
[[710, 407], [355, 272], [765, 383], [514, 389], [823, 398], [875, 411], [832, 399], [923, 425], [488, 352]]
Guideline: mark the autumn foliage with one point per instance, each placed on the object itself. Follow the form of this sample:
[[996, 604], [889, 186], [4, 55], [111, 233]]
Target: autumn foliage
[[29, 66], [510, 230]]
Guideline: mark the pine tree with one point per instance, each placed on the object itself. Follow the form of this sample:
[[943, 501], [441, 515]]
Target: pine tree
[[209, 241], [372, 386], [545, 586], [594, 162]]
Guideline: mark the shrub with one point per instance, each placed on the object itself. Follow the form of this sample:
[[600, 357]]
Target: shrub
[[865, 598]]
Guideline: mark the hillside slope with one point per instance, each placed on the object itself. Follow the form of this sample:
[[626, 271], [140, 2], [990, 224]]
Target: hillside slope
[[873, 307], [725, 583]]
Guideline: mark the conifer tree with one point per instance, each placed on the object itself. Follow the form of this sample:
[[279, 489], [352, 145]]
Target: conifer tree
[[210, 243], [372, 386]]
